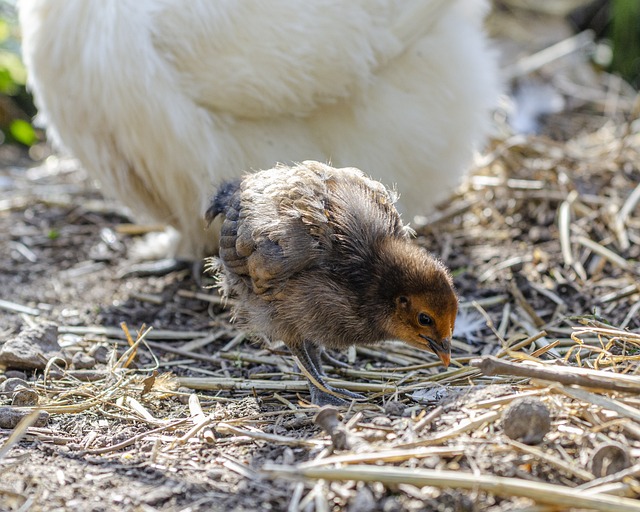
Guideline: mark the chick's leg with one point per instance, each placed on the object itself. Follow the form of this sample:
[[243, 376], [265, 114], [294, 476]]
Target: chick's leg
[[308, 356], [332, 360]]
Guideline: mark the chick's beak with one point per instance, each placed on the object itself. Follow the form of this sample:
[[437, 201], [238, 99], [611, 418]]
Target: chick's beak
[[440, 348]]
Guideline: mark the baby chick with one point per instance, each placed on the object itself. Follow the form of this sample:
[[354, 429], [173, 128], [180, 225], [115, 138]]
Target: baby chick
[[318, 257]]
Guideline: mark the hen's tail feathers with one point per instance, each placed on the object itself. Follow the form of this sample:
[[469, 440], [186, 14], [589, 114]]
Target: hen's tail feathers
[[221, 200]]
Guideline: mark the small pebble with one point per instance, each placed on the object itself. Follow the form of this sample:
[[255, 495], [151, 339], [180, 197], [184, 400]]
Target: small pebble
[[184, 394], [17, 374], [526, 420], [82, 361], [11, 416], [363, 501], [9, 386], [100, 353], [31, 348], [382, 421], [24, 397], [608, 459], [392, 504], [394, 408]]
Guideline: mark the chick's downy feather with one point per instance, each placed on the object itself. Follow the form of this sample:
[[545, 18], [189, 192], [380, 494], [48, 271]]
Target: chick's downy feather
[[319, 257], [161, 99], [321, 254]]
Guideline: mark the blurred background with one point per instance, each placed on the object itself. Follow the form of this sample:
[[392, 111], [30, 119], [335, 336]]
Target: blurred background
[[556, 55]]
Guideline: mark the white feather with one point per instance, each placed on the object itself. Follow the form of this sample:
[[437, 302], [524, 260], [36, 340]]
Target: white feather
[[162, 99]]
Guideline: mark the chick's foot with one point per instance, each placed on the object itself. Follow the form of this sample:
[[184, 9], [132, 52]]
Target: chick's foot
[[321, 397], [308, 356]]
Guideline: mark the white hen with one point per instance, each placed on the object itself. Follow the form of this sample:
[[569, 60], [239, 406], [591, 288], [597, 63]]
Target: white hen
[[161, 100]]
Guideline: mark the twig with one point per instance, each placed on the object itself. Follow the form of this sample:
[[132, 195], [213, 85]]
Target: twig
[[462, 427], [139, 229], [327, 419], [568, 375], [18, 308], [556, 495], [622, 216], [521, 344], [206, 297], [141, 410], [399, 455], [131, 440], [561, 49], [601, 401], [428, 419], [607, 254], [181, 352], [198, 415], [593, 485], [225, 428], [531, 330], [553, 461], [564, 230], [130, 354], [117, 331], [214, 383]]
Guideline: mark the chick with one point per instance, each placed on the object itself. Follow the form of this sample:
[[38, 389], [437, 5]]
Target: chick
[[319, 258]]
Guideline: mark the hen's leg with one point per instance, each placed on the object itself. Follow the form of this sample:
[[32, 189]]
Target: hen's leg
[[308, 356]]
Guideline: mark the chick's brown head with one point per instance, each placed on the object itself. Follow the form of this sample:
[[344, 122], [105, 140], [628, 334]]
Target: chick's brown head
[[425, 304], [420, 323]]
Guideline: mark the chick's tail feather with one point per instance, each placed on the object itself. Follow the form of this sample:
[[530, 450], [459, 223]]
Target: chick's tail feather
[[222, 199]]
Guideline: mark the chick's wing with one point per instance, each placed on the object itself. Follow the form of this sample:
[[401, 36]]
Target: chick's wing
[[292, 219], [276, 227]]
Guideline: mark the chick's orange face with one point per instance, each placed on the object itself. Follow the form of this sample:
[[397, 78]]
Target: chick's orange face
[[426, 322]]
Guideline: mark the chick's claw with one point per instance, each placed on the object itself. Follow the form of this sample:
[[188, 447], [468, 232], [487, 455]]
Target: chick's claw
[[309, 358], [321, 398]]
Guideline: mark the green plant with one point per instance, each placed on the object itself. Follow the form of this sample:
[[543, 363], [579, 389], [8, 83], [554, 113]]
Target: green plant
[[625, 36], [16, 105]]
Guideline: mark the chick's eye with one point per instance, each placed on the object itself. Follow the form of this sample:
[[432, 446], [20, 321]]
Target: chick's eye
[[424, 319]]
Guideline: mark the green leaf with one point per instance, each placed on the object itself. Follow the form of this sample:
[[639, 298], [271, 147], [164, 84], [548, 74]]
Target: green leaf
[[23, 132], [11, 62], [7, 85], [626, 39]]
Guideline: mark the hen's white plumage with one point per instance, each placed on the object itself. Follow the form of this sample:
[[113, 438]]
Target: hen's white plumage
[[162, 99]]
